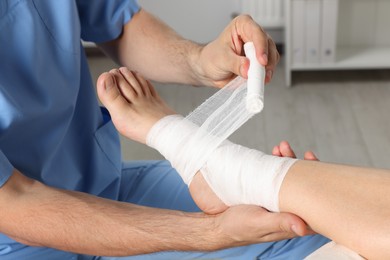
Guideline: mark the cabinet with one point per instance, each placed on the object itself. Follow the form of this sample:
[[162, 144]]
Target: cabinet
[[362, 37]]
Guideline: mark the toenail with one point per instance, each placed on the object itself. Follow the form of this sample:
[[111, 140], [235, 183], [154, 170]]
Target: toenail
[[109, 83]]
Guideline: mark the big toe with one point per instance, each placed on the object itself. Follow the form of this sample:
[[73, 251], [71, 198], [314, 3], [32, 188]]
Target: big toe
[[109, 94]]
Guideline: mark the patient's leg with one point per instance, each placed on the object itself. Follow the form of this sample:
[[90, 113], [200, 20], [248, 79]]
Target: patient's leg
[[135, 107], [350, 205], [201, 191]]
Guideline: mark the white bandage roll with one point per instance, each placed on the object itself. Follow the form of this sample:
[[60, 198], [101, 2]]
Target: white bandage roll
[[256, 78]]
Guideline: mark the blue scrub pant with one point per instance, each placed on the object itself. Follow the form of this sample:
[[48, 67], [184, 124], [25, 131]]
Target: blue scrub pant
[[156, 184]]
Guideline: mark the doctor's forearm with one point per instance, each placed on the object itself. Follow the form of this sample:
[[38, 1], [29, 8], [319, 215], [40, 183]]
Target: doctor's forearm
[[149, 46], [37, 215]]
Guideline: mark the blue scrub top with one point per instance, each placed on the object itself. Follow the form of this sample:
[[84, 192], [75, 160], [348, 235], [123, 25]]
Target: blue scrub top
[[51, 126]]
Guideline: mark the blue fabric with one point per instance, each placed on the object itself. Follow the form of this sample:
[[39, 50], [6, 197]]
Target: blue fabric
[[103, 21], [51, 126], [52, 129], [156, 184], [6, 168]]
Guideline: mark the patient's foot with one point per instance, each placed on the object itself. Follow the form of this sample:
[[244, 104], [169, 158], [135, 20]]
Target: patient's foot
[[135, 107], [133, 103], [205, 197]]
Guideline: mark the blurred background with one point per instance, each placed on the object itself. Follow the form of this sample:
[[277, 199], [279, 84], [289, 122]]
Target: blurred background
[[330, 92]]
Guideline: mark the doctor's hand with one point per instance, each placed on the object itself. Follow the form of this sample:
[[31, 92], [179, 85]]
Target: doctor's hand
[[222, 59], [248, 224]]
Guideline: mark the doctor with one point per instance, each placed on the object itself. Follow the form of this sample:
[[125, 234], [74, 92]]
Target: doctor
[[64, 191]]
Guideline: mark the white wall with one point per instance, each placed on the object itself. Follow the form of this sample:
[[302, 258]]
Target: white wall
[[197, 20], [364, 23]]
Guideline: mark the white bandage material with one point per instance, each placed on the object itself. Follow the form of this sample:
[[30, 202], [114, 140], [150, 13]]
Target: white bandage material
[[182, 143], [236, 174], [256, 77], [194, 143], [211, 123], [239, 175]]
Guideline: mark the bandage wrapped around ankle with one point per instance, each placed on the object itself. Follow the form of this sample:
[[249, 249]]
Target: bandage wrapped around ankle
[[237, 175], [188, 142]]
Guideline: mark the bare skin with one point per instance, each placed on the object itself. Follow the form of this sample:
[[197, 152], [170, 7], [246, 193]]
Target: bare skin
[[328, 197], [175, 59], [131, 98], [38, 215], [138, 104], [210, 203]]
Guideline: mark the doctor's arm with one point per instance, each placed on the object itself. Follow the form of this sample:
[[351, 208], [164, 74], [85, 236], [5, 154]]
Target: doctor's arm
[[149, 46], [37, 215]]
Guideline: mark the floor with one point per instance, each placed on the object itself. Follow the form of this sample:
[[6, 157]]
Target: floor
[[344, 117]]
